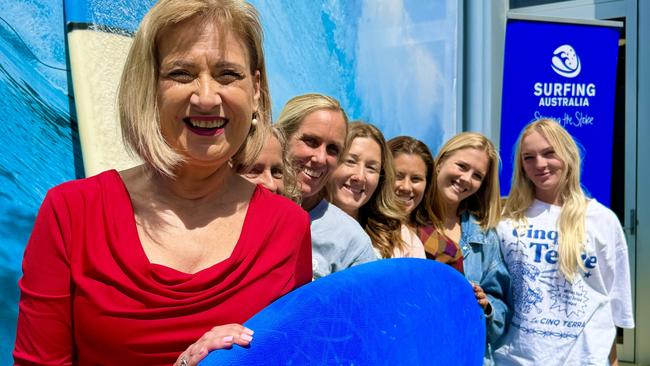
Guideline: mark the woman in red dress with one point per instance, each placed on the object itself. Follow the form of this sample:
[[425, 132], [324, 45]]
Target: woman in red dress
[[160, 263]]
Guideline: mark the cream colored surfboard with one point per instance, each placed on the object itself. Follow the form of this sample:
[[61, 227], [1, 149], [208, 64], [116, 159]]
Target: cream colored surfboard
[[96, 61]]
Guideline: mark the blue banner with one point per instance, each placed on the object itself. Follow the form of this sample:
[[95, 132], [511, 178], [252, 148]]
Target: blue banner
[[566, 72]]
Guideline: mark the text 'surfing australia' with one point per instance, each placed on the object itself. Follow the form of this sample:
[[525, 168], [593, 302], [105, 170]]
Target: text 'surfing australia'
[[564, 94]]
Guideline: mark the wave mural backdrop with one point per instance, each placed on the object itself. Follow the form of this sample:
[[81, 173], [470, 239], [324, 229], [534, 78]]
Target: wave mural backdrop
[[38, 137], [390, 62]]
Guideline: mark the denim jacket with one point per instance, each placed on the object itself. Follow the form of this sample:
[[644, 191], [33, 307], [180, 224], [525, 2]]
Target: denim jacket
[[483, 264]]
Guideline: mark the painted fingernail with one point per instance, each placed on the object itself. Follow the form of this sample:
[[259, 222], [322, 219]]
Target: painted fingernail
[[248, 331], [246, 337], [228, 339]]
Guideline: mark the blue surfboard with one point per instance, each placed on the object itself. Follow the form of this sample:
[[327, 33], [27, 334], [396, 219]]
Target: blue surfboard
[[390, 312]]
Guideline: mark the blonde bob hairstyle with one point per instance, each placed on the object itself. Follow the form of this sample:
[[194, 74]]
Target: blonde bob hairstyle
[[571, 223], [138, 89], [485, 204], [408, 145], [297, 108], [383, 215]]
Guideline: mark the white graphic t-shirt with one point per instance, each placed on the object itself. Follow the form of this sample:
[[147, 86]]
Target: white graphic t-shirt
[[557, 322]]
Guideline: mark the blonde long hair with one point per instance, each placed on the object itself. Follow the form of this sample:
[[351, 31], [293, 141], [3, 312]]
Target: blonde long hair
[[382, 216], [571, 223], [485, 204]]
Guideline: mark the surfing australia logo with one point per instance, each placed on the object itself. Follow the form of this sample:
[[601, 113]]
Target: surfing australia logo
[[566, 63]]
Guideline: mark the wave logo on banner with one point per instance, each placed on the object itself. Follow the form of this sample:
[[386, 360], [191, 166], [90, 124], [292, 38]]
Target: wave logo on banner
[[566, 62]]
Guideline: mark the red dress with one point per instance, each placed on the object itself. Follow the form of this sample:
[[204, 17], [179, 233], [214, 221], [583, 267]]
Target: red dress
[[89, 294]]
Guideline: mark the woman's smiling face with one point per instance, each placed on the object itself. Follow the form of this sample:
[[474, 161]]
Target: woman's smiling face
[[542, 166], [206, 92], [267, 169], [410, 179], [355, 180], [315, 149], [460, 175]]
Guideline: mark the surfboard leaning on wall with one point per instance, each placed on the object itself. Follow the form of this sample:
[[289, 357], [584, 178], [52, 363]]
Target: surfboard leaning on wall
[[99, 34]]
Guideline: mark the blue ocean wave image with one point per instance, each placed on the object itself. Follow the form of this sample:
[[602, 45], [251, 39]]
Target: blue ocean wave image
[[37, 135], [392, 63]]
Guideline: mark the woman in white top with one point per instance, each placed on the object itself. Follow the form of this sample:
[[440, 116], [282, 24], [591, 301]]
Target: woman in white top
[[567, 257], [363, 186]]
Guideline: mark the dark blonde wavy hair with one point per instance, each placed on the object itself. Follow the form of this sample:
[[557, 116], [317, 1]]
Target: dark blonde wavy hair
[[411, 146], [383, 215]]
